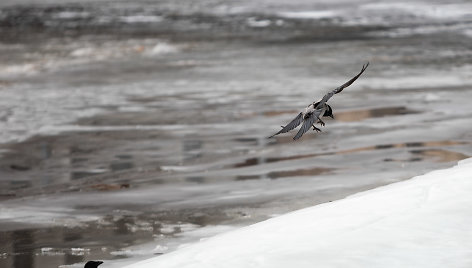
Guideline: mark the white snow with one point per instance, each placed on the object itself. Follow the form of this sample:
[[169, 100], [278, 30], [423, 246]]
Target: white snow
[[422, 222]]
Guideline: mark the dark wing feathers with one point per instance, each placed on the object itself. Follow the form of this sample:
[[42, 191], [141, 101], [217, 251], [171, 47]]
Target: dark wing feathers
[[293, 124], [348, 83], [343, 86], [306, 126]]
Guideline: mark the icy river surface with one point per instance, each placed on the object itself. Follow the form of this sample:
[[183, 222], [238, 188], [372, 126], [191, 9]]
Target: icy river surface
[[132, 128]]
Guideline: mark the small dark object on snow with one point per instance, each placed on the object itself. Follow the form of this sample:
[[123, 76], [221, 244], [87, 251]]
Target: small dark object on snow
[[92, 264]]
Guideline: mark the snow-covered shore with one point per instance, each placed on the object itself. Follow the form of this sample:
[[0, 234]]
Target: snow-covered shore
[[422, 222]]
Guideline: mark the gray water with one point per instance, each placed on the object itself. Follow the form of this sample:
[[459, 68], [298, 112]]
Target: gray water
[[130, 129]]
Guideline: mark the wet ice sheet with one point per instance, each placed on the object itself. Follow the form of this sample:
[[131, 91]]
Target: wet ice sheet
[[116, 148], [222, 163]]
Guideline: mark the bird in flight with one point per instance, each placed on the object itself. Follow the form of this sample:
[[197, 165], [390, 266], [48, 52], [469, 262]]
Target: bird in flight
[[316, 110]]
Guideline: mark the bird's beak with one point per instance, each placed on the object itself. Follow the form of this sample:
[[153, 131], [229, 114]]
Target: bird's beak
[[332, 116]]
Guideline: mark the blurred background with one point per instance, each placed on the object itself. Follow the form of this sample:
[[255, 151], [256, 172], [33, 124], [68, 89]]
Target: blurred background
[[132, 128]]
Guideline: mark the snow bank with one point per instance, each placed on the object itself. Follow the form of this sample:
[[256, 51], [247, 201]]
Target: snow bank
[[422, 222]]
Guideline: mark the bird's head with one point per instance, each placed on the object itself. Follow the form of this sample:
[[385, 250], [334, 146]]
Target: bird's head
[[329, 111], [92, 264]]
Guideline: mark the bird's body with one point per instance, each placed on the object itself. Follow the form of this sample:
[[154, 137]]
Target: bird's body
[[315, 107], [313, 112]]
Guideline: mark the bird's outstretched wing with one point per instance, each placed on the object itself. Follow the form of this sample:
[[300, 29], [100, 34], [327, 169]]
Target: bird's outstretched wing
[[340, 88], [307, 123], [293, 124]]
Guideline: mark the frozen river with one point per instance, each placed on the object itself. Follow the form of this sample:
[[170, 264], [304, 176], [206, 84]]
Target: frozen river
[[131, 128]]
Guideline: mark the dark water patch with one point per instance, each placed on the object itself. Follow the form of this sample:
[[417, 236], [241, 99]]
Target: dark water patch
[[288, 173], [7, 196], [248, 162], [110, 187], [440, 155], [384, 146], [192, 149], [254, 141], [81, 149], [260, 160], [4, 83], [77, 160], [75, 175], [411, 159], [20, 184], [195, 179], [124, 156], [37, 247], [121, 166], [299, 172], [19, 167], [248, 177], [414, 144]]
